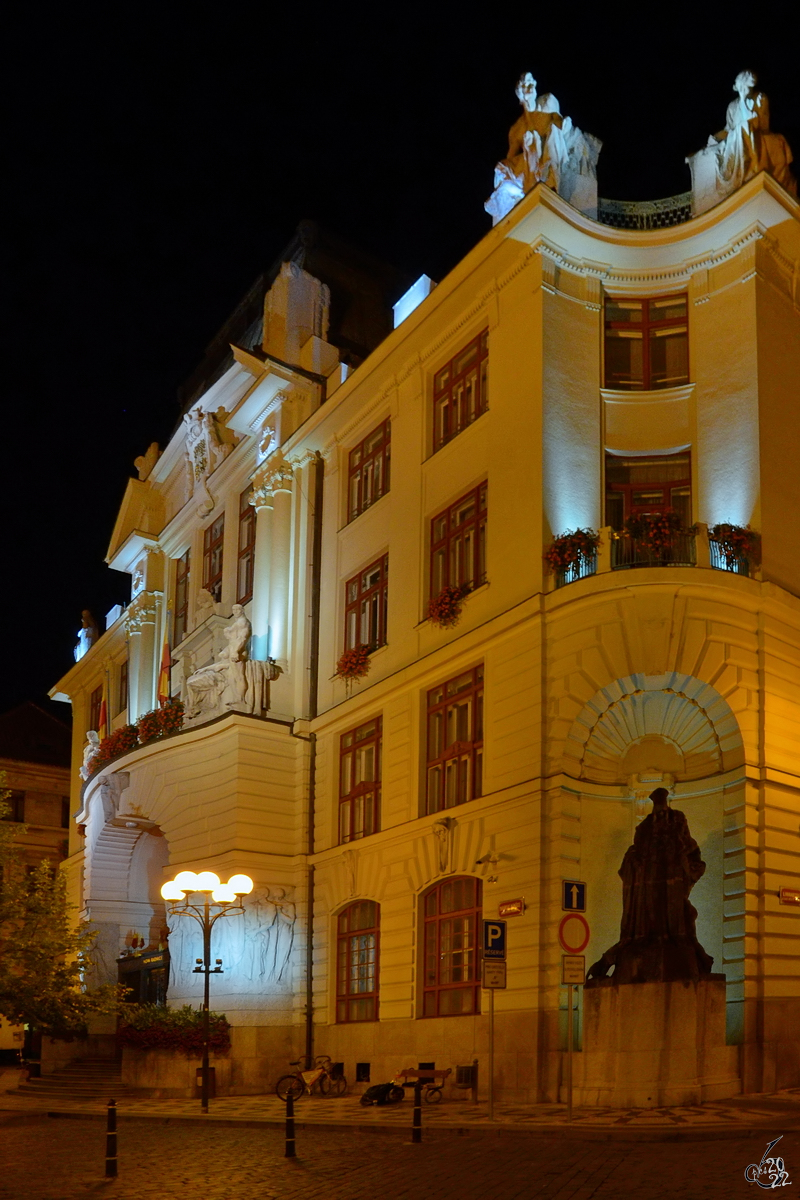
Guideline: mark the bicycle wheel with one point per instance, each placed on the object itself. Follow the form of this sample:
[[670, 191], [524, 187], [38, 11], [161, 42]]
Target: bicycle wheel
[[433, 1095], [324, 1083], [289, 1085], [338, 1086], [396, 1095]]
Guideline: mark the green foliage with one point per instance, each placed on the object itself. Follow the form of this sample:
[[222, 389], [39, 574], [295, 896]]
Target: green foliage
[[43, 954], [148, 1027]]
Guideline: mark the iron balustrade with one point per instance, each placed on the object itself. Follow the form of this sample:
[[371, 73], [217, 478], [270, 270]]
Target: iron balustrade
[[645, 214], [627, 551], [721, 562], [585, 565]]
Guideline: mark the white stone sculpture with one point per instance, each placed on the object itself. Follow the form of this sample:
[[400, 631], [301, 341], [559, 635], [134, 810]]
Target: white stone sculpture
[[741, 150], [234, 682], [87, 634], [90, 752], [545, 147]]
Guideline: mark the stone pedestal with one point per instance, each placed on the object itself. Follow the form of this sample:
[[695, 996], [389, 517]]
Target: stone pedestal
[[647, 1045]]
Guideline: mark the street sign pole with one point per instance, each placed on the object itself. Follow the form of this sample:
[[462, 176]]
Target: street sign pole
[[491, 1055], [569, 1052]]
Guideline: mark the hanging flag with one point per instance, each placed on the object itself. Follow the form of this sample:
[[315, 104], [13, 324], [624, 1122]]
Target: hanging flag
[[163, 691], [102, 721]]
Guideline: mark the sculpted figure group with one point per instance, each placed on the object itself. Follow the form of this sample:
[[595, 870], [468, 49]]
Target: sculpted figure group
[[747, 145], [234, 681]]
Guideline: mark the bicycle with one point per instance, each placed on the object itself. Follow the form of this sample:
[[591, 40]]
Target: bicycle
[[321, 1078], [431, 1081]]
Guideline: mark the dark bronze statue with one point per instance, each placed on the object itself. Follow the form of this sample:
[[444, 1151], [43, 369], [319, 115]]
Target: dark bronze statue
[[657, 939]]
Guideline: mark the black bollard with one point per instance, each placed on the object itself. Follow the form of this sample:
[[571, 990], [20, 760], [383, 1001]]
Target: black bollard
[[416, 1125], [290, 1150], [111, 1141]]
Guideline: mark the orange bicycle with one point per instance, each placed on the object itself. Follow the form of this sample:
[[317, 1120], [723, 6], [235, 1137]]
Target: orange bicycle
[[322, 1077]]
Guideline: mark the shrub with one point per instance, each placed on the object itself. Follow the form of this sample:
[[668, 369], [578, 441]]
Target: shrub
[[148, 1027], [656, 531], [354, 664], [166, 719], [572, 547], [737, 542], [121, 741], [445, 608]]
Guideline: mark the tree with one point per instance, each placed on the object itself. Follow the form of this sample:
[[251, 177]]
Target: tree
[[43, 953]]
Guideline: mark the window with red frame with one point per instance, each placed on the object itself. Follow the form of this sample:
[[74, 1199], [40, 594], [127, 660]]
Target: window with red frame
[[95, 703], [460, 390], [247, 548], [458, 542], [16, 806], [360, 781], [357, 963], [455, 742], [366, 601], [181, 615], [122, 687], [212, 557], [648, 485], [369, 470], [451, 976], [647, 343]]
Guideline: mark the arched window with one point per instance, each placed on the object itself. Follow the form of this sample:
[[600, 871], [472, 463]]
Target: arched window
[[357, 962], [451, 975]]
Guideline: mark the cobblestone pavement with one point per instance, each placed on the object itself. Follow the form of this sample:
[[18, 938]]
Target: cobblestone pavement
[[46, 1158], [722, 1117]]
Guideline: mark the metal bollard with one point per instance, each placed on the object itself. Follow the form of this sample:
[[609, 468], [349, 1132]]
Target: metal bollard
[[111, 1141], [416, 1125], [290, 1152]]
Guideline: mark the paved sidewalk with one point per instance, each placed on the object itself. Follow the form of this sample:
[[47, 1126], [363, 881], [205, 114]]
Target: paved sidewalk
[[724, 1118]]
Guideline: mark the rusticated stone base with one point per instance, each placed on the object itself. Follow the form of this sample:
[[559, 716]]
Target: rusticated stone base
[[646, 1045]]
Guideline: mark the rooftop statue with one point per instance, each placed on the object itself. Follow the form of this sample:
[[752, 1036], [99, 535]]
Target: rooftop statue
[[545, 147], [657, 939], [87, 634], [741, 150]]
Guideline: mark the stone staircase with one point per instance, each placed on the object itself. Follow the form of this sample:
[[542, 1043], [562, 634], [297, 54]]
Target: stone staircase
[[88, 1079]]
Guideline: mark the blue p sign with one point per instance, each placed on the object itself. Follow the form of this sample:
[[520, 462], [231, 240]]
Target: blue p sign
[[494, 939]]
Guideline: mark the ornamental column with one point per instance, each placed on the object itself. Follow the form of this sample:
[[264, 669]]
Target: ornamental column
[[280, 564], [261, 500], [143, 659]]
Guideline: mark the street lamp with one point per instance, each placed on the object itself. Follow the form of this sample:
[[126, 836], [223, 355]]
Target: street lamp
[[227, 898]]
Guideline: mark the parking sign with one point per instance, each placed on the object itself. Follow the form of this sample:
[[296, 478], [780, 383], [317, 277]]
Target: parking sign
[[494, 939]]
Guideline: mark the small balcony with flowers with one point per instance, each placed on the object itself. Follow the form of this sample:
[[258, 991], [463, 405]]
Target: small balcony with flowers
[[653, 540]]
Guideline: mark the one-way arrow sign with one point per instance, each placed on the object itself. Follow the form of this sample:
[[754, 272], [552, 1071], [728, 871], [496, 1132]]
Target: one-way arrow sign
[[574, 896]]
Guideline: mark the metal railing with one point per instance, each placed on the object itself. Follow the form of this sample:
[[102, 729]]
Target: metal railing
[[627, 551], [720, 561], [645, 214], [585, 565]]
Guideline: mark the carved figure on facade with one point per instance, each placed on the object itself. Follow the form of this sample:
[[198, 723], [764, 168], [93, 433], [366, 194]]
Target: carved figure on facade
[[87, 634], [658, 939], [209, 441], [145, 462], [545, 147], [90, 752], [741, 150], [234, 682], [442, 831]]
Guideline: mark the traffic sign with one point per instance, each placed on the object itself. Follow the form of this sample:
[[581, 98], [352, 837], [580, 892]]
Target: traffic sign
[[494, 939], [573, 898], [573, 968], [494, 975], [573, 933]]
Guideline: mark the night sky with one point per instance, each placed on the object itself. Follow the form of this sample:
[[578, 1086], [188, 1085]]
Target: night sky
[[161, 157]]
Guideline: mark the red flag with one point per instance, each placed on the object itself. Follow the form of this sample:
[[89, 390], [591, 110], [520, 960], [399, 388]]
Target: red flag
[[163, 692]]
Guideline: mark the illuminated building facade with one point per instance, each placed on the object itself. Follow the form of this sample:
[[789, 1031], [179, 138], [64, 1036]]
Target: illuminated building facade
[[567, 374]]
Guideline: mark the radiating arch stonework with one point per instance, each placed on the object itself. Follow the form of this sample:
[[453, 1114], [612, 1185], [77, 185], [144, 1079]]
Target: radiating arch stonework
[[696, 727]]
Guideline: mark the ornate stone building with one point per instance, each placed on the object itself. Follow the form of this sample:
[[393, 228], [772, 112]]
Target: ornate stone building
[[333, 476]]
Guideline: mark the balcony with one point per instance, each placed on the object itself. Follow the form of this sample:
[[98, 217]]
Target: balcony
[[621, 552]]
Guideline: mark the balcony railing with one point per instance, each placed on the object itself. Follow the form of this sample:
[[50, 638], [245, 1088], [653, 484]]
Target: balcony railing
[[628, 552], [586, 565], [645, 214], [721, 562]]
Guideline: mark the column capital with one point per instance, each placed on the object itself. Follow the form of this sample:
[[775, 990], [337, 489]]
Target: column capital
[[142, 610], [276, 475]]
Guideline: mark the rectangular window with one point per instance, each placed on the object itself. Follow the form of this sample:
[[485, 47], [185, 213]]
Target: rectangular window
[[357, 962], [458, 542], [16, 805], [455, 742], [212, 557], [360, 781], [181, 614], [247, 548], [460, 390], [648, 486], [646, 343], [95, 703], [122, 688], [451, 973], [366, 601], [369, 470]]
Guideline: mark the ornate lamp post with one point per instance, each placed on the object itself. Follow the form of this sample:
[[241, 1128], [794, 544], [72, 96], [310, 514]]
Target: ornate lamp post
[[227, 898]]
